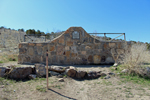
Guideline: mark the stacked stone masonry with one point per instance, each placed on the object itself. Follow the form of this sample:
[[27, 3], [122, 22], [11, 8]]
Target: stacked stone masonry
[[74, 46]]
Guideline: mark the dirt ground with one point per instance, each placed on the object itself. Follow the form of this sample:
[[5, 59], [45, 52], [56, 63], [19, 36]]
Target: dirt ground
[[113, 88]]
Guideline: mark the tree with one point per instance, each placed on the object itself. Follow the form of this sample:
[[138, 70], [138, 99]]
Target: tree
[[22, 30], [2, 27]]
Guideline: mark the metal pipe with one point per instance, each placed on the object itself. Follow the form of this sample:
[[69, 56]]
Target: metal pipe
[[45, 38], [124, 37], [117, 37], [47, 67], [24, 38], [105, 33], [105, 36]]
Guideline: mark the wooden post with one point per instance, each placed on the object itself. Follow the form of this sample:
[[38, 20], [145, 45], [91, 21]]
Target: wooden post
[[47, 68]]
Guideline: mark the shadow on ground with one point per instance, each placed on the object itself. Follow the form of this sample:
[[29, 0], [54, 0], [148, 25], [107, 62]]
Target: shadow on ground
[[62, 94]]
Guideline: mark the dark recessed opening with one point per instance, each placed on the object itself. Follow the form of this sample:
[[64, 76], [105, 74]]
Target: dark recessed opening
[[103, 59]]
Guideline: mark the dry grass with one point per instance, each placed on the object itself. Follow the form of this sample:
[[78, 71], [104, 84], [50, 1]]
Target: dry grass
[[136, 58], [4, 57]]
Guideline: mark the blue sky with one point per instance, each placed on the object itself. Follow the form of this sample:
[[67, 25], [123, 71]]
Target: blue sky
[[102, 16]]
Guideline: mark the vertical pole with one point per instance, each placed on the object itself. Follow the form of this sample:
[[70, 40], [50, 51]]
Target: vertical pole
[[105, 36], [45, 38], [24, 38], [124, 37], [47, 67]]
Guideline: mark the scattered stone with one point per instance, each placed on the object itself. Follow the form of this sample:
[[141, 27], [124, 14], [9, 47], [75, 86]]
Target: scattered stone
[[148, 70], [32, 76], [124, 70], [102, 74], [93, 75], [2, 71], [107, 77], [61, 80], [2, 86], [111, 73], [20, 72], [115, 64], [40, 70], [60, 76], [54, 73]]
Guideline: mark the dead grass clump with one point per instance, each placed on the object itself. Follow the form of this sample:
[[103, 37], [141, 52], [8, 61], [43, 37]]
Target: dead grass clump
[[135, 59], [8, 57]]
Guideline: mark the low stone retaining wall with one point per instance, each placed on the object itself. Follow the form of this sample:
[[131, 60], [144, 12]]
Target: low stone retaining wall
[[20, 73]]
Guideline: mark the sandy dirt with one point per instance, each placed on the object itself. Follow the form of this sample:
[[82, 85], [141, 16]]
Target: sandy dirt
[[113, 88]]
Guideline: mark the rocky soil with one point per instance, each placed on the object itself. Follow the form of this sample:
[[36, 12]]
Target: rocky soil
[[65, 87]]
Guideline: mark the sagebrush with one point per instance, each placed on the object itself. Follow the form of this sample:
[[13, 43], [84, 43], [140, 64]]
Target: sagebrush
[[135, 59]]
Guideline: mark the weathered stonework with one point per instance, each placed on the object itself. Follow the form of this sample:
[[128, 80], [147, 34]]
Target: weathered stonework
[[74, 46]]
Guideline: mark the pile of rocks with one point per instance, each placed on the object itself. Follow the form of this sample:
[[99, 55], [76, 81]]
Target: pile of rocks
[[39, 70]]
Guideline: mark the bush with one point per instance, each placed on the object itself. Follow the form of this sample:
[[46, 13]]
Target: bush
[[136, 58]]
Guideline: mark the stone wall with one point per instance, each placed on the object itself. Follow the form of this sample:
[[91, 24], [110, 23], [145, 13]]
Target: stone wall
[[74, 46], [9, 40]]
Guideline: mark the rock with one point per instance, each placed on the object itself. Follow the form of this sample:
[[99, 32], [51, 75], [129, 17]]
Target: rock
[[71, 72], [115, 64], [80, 74], [93, 75], [124, 70], [148, 69], [54, 73], [32, 76], [40, 70], [111, 73], [57, 69], [20, 72], [71, 67], [60, 76], [2, 71], [107, 77], [102, 74], [61, 80], [2, 86]]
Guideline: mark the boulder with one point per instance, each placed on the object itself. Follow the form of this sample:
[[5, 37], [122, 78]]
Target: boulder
[[71, 67], [32, 76], [2, 71], [54, 73], [40, 70], [20, 72], [80, 74], [102, 74], [71, 72], [57, 69], [93, 75]]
